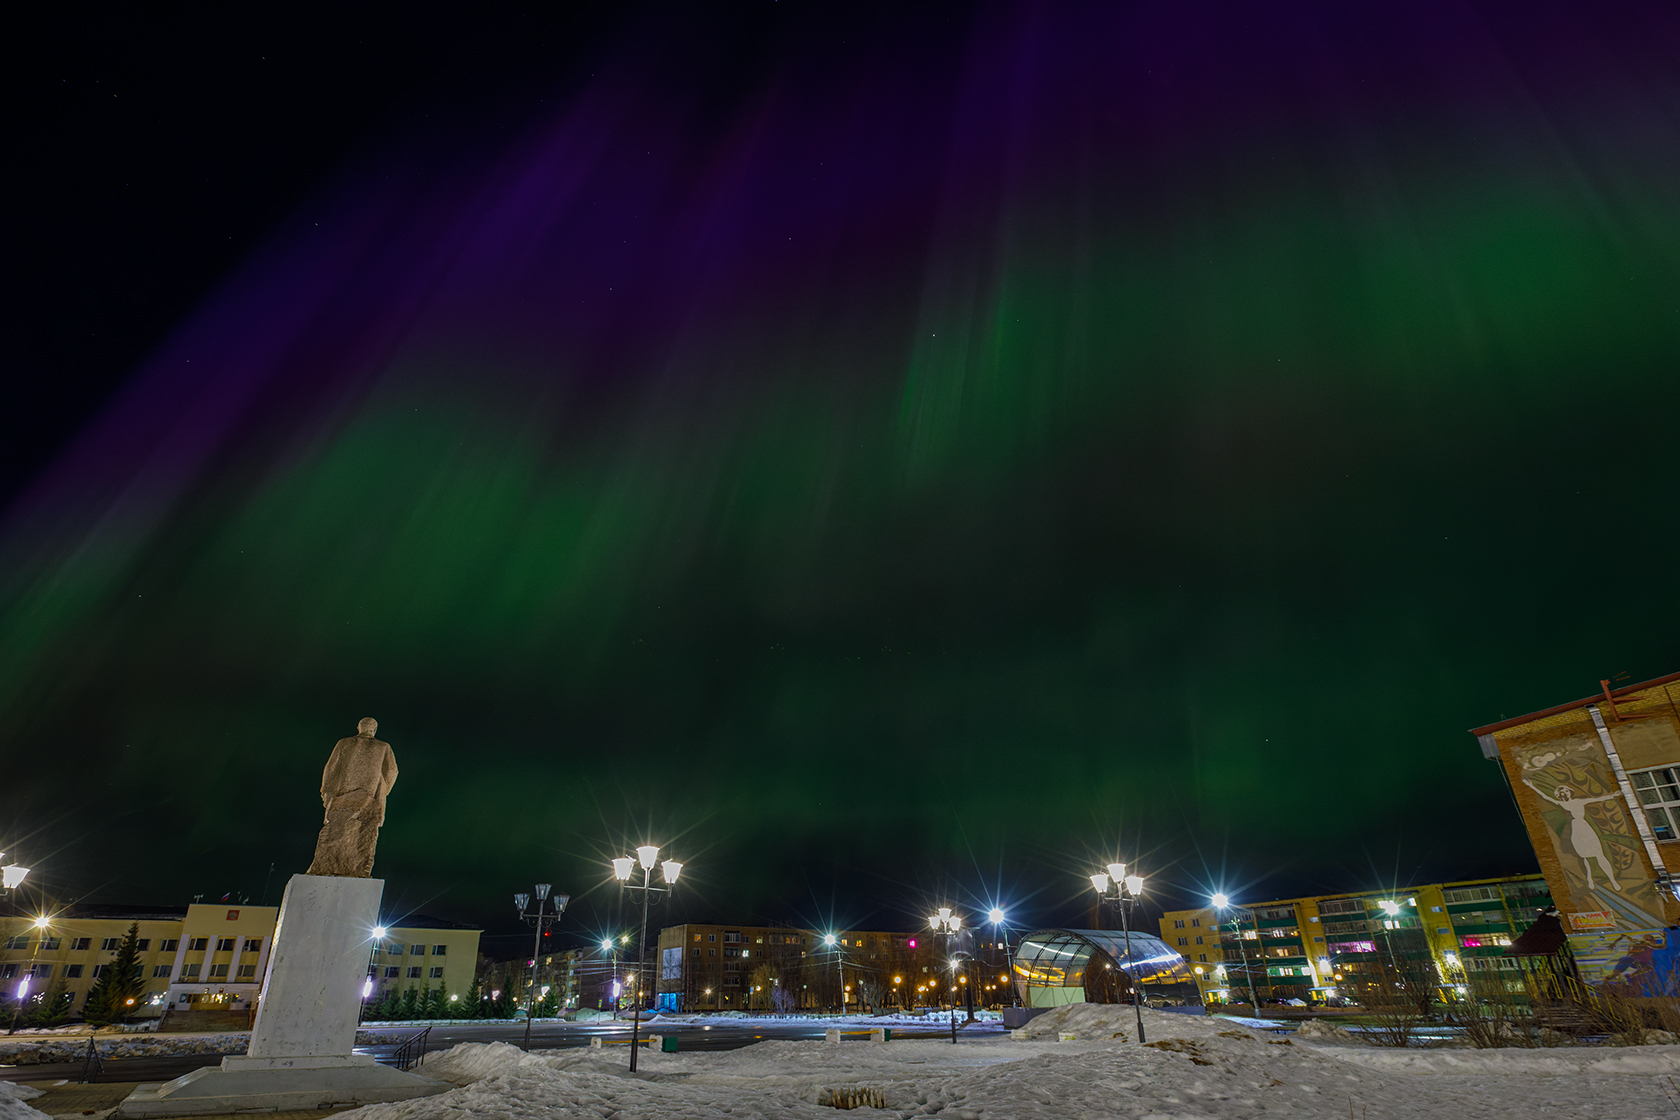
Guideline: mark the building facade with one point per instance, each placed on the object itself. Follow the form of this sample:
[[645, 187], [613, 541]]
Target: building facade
[[1597, 782], [720, 968], [1319, 948], [208, 957]]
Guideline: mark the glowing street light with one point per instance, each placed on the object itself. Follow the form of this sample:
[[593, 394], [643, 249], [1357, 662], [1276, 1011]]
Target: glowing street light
[[996, 916], [1221, 902], [12, 875], [946, 923], [1127, 889], [647, 855]]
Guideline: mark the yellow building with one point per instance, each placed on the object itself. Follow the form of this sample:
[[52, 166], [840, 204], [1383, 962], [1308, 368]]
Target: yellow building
[[1597, 781], [1303, 948], [207, 957]]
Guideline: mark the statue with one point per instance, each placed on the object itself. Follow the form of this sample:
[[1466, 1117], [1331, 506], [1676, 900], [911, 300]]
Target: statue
[[359, 774]]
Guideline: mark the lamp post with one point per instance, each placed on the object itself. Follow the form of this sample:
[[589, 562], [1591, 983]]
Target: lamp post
[[946, 923], [539, 917], [996, 916], [1127, 888], [12, 876], [1222, 902], [832, 942], [646, 855]]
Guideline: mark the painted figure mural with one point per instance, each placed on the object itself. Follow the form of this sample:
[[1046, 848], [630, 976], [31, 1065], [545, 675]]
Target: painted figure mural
[[1591, 833]]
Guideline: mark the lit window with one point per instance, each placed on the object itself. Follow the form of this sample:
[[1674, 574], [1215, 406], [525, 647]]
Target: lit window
[[1659, 793]]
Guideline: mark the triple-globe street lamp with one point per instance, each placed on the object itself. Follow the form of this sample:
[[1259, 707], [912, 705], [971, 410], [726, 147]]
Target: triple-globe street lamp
[[539, 916], [1127, 889], [623, 867], [946, 923]]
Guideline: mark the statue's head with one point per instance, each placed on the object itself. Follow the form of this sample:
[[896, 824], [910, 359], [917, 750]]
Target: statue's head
[[367, 727]]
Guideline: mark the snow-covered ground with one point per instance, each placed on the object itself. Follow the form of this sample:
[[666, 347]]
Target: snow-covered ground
[[1193, 1067], [23, 1050]]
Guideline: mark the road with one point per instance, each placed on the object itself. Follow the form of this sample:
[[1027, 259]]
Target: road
[[730, 1034]]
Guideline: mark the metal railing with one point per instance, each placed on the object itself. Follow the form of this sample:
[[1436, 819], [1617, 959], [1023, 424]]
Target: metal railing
[[413, 1051]]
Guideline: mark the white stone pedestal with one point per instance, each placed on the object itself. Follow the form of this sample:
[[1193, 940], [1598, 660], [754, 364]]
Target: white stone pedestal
[[300, 1056]]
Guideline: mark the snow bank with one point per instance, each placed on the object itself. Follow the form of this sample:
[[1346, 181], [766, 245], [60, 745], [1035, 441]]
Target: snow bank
[[12, 1096], [1192, 1067], [39, 1049]]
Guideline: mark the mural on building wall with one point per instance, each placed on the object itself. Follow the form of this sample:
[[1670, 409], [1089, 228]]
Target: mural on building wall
[[1591, 833]]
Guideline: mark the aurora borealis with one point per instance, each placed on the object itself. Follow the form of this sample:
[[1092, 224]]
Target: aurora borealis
[[911, 463]]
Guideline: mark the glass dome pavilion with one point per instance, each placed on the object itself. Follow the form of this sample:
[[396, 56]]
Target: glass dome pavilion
[[1058, 966]]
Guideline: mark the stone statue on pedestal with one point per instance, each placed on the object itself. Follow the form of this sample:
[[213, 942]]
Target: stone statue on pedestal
[[354, 785]]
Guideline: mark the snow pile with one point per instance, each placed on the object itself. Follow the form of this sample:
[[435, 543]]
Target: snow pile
[[1192, 1067], [1321, 1030], [12, 1096], [1089, 1022]]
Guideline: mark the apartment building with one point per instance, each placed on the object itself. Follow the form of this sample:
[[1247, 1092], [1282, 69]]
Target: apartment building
[[718, 967], [1305, 948]]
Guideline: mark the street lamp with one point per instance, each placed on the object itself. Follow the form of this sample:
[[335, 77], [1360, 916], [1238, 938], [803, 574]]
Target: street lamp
[[646, 855], [946, 924], [12, 875], [1222, 902], [539, 917], [832, 942], [1127, 889], [996, 916]]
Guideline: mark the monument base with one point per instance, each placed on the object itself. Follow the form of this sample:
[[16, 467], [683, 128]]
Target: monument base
[[278, 1085]]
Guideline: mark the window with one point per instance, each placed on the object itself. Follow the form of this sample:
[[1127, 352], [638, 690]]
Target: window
[[198, 944], [1201, 956], [8, 971], [711, 937], [1197, 922], [1178, 923], [80, 943], [697, 937], [109, 945], [437, 972], [19, 942], [41, 971], [253, 944], [1184, 941], [218, 972], [417, 950], [392, 972], [189, 971], [144, 944], [439, 950], [73, 971], [170, 944], [1198, 941], [160, 971], [247, 972], [1659, 794], [98, 970], [414, 973], [225, 944], [711, 952], [49, 943], [393, 950]]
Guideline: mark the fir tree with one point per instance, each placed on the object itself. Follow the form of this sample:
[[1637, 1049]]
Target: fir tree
[[409, 1008], [119, 987], [437, 1003], [472, 1004], [51, 1007]]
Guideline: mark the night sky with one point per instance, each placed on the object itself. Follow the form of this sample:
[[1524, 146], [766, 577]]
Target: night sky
[[889, 454]]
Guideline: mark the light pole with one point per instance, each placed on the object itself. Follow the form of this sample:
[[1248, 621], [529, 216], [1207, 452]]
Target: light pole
[[539, 917], [946, 924], [996, 917], [1221, 902], [833, 942], [1127, 888], [646, 855]]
